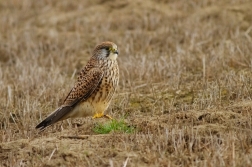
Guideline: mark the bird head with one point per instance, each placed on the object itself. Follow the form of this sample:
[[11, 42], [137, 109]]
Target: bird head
[[106, 50]]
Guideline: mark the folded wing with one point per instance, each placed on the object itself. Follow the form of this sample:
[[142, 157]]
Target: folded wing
[[82, 90]]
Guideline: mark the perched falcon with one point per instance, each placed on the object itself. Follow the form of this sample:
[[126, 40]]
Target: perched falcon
[[94, 89]]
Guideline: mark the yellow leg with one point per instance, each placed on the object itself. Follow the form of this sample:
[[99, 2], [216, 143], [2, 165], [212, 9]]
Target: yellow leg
[[107, 116], [99, 115]]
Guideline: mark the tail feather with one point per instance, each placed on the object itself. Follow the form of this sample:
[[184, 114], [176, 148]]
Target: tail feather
[[56, 116]]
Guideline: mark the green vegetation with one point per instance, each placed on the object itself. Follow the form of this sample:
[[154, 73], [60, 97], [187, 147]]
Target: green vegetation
[[114, 126]]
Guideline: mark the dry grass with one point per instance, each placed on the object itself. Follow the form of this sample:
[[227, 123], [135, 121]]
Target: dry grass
[[185, 81]]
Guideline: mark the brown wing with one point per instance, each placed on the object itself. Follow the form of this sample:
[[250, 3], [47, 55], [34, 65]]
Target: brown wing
[[82, 90]]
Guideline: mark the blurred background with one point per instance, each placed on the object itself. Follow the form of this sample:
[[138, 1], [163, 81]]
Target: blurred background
[[182, 64]]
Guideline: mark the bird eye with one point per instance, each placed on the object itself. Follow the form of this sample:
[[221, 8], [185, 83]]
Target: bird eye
[[107, 51]]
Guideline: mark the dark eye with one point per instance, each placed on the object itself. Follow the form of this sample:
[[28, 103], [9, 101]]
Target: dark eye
[[108, 51]]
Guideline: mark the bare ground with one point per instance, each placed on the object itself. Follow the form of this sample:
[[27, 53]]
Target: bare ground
[[185, 82]]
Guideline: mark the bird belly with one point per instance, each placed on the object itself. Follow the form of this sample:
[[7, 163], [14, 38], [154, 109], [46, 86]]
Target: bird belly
[[87, 108], [84, 109]]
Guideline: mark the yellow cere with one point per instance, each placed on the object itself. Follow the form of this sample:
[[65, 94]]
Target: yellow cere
[[112, 49]]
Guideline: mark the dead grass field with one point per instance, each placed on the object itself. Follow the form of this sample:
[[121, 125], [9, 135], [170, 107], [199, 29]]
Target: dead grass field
[[185, 82]]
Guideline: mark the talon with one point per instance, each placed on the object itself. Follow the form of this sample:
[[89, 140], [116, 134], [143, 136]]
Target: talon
[[107, 116], [98, 115]]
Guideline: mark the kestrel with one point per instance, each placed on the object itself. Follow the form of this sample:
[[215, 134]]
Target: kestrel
[[94, 89]]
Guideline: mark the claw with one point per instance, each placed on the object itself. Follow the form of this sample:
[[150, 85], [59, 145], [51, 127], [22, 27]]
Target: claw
[[99, 115], [107, 116]]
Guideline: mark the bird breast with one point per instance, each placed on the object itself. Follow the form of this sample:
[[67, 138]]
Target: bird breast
[[105, 90]]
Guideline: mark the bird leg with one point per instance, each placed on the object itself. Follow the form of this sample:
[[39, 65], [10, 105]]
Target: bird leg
[[99, 115], [108, 116]]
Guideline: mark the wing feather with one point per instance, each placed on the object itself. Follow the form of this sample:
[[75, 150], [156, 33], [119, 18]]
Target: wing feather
[[82, 90]]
